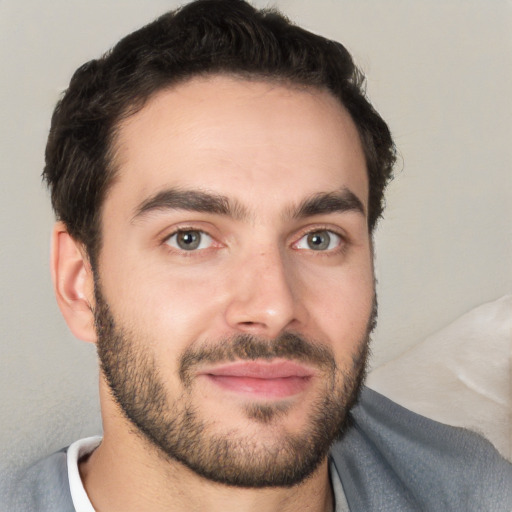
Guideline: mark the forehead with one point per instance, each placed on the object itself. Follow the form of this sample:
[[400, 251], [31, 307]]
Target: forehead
[[251, 139]]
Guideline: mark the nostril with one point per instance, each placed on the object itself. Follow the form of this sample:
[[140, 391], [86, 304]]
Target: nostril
[[250, 325]]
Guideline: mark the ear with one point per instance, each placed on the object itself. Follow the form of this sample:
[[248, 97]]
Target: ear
[[73, 283]]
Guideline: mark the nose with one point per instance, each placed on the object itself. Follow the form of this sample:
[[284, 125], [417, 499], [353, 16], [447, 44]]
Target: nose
[[265, 296]]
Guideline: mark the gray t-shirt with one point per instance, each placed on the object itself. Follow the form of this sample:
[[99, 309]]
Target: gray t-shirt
[[340, 500]]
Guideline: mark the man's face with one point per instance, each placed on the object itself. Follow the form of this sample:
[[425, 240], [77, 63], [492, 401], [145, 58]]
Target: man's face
[[234, 287]]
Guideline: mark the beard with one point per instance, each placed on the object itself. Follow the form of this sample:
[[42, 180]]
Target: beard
[[175, 427]]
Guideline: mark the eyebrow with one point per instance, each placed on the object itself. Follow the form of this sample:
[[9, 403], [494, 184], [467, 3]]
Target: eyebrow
[[191, 200], [209, 202], [328, 202]]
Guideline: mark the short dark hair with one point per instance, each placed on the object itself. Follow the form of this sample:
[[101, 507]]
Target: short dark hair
[[201, 38]]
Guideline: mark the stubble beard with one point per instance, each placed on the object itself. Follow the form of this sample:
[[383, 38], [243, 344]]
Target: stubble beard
[[177, 430]]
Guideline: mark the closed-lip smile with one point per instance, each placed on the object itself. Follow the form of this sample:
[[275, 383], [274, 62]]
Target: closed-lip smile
[[275, 379]]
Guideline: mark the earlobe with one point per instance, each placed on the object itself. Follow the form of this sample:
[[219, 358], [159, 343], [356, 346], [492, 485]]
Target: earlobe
[[73, 283]]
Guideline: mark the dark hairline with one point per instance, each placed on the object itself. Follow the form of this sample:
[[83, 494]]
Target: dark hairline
[[82, 160]]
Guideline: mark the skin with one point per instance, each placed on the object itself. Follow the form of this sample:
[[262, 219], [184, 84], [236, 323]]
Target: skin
[[267, 147]]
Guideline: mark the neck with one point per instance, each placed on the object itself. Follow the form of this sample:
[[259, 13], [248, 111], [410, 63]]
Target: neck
[[119, 478], [127, 473]]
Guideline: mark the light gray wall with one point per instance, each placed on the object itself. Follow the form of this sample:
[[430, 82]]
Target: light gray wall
[[438, 71]]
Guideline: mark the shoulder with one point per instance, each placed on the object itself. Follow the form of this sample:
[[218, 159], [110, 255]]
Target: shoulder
[[393, 459], [44, 487]]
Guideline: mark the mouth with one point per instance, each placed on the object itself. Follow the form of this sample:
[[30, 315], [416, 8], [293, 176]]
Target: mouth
[[276, 379]]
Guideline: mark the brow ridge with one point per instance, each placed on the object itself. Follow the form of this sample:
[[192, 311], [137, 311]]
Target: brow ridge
[[328, 202], [210, 202], [191, 200]]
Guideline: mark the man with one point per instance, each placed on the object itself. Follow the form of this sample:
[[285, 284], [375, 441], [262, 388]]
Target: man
[[217, 178]]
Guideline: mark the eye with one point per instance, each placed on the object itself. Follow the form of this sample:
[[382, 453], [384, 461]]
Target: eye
[[322, 240], [190, 240]]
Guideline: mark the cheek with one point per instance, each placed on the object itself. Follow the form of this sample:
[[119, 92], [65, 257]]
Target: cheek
[[341, 304], [168, 307]]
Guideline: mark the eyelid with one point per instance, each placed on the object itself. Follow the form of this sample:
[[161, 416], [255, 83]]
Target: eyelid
[[180, 226]]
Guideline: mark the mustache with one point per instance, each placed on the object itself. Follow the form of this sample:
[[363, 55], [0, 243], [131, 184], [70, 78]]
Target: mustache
[[248, 347]]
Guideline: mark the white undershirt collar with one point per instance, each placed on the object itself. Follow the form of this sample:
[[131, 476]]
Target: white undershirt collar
[[76, 451]]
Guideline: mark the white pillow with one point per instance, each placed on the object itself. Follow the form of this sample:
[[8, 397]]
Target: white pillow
[[461, 375]]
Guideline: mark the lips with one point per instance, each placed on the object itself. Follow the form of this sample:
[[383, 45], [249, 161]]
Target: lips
[[264, 379]]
